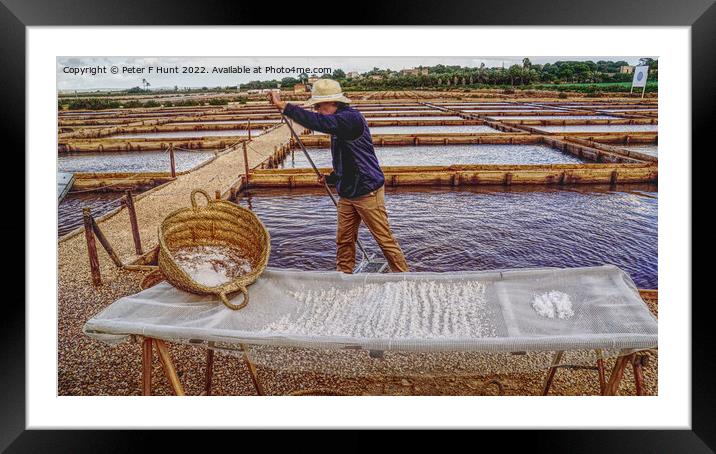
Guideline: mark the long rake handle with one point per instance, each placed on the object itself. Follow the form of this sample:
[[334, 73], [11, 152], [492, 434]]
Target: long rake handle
[[318, 173]]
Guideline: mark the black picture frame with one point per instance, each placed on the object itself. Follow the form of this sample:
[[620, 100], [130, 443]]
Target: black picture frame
[[700, 15]]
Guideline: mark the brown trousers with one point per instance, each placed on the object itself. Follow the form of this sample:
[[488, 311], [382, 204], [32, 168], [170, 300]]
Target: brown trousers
[[369, 208]]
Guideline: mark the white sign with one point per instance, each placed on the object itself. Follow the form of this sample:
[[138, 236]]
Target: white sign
[[640, 74]]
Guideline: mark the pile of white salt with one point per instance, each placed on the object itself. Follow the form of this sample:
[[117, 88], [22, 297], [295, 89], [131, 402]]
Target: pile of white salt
[[405, 309], [553, 304], [212, 265]]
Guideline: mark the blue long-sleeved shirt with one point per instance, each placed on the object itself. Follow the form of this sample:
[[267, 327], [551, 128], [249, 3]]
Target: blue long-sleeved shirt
[[356, 170]]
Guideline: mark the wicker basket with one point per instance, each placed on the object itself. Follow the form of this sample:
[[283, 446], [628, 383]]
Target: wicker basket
[[219, 223], [151, 279]]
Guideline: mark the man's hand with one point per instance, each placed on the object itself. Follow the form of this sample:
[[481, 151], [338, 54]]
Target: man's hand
[[274, 98], [322, 179]]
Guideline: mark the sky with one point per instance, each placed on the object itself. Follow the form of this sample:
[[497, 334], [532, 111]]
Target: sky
[[92, 73]]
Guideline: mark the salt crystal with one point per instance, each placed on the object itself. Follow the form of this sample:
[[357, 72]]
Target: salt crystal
[[553, 303], [212, 265], [405, 309]]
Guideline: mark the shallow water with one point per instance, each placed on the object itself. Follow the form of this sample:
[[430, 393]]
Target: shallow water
[[224, 122], [598, 128], [395, 111], [646, 109], [126, 114], [92, 112], [480, 228], [69, 211], [427, 117], [134, 161], [509, 109], [504, 107], [398, 108], [477, 104], [604, 106], [553, 117], [432, 129], [444, 155], [226, 132]]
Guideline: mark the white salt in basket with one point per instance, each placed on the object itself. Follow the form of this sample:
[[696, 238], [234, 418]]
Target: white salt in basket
[[219, 223]]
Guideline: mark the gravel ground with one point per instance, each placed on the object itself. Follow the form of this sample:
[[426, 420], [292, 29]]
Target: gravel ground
[[88, 367]]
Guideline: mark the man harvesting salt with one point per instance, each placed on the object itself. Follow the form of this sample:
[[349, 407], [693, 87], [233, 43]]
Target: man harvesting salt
[[356, 173]]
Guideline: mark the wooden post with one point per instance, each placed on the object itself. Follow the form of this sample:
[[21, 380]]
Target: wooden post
[[600, 369], [147, 366], [105, 243], [552, 370], [91, 247], [602, 377], [129, 202], [613, 177], [209, 370], [249, 127], [171, 160], [638, 375], [616, 376], [246, 165], [168, 366], [252, 371]]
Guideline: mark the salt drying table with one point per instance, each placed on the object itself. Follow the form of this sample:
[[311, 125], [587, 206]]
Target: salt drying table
[[486, 311]]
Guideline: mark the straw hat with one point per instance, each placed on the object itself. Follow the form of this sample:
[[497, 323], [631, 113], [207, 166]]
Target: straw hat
[[326, 90]]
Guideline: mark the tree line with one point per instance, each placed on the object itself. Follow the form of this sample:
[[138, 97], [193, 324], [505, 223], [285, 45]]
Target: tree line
[[444, 76]]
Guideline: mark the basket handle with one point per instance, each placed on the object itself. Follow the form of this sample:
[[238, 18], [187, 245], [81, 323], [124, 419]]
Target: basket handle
[[193, 197], [230, 305]]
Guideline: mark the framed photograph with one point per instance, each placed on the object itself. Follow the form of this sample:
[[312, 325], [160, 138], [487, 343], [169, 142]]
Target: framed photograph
[[419, 218]]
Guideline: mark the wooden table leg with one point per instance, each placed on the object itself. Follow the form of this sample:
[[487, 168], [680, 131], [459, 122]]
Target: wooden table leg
[[552, 370], [617, 373], [252, 371], [168, 366], [638, 375], [602, 375], [209, 371], [147, 366]]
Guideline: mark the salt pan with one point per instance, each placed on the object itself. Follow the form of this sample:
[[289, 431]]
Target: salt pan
[[553, 304], [212, 265]]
